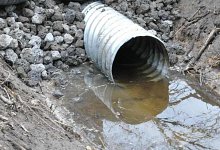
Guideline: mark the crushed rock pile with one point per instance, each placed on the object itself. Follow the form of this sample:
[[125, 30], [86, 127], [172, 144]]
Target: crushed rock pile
[[40, 37]]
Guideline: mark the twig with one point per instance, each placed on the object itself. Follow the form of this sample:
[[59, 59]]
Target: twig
[[4, 99], [195, 13], [16, 144], [3, 118], [103, 144], [190, 23], [6, 92], [22, 126], [200, 77], [23, 102], [9, 74], [208, 40], [210, 37]]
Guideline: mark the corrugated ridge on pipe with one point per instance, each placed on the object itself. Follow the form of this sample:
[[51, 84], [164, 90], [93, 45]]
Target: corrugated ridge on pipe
[[119, 47]]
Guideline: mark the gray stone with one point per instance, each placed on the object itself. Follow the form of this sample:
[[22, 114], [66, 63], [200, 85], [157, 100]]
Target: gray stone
[[6, 30], [169, 22], [10, 56], [79, 16], [79, 34], [164, 27], [27, 12], [70, 16], [10, 21], [32, 55], [58, 39], [2, 53], [165, 38], [80, 25], [3, 14], [49, 3], [14, 44], [144, 8], [17, 25], [5, 41], [58, 26], [164, 15], [57, 94], [38, 18], [37, 67], [3, 23], [49, 38], [65, 67], [56, 33], [57, 16], [23, 63], [80, 52], [58, 64], [75, 6], [34, 78], [39, 10], [68, 38], [48, 60], [55, 55], [79, 43], [17, 34], [44, 75], [66, 28], [35, 41], [109, 1], [153, 26], [42, 31], [49, 12], [72, 61], [23, 19], [173, 59], [21, 72], [64, 55]]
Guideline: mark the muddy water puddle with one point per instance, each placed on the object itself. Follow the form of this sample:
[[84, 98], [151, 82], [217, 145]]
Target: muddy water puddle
[[167, 114]]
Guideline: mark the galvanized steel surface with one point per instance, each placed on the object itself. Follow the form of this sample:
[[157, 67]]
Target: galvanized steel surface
[[107, 31]]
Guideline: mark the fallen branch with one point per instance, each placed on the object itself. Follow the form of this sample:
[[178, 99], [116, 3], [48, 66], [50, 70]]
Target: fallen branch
[[7, 101], [3, 118], [201, 51], [208, 40], [9, 74]]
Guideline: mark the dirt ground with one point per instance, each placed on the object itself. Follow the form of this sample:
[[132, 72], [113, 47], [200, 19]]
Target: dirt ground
[[198, 31], [28, 120]]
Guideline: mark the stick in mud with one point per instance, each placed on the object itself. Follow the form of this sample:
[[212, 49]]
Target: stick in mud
[[201, 51]]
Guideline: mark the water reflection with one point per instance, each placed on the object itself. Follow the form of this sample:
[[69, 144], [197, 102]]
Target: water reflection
[[134, 102], [144, 116]]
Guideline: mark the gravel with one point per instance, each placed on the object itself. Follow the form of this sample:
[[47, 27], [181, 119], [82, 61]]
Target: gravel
[[5, 41], [39, 37], [68, 38], [10, 56], [49, 37]]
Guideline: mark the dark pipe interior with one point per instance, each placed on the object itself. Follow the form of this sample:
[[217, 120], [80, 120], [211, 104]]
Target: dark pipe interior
[[133, 55]]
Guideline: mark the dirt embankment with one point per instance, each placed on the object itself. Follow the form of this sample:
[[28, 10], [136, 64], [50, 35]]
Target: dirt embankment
[[198, 31], [26, 122]]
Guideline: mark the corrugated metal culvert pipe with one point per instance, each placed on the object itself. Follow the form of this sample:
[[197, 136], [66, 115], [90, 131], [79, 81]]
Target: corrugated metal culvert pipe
[[120, 48]]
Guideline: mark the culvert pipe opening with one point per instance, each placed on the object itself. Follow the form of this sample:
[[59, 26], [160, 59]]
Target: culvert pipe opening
[[140, 58], [119, 47]]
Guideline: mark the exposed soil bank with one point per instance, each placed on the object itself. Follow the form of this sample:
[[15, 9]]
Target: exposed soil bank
[[194, 30]]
